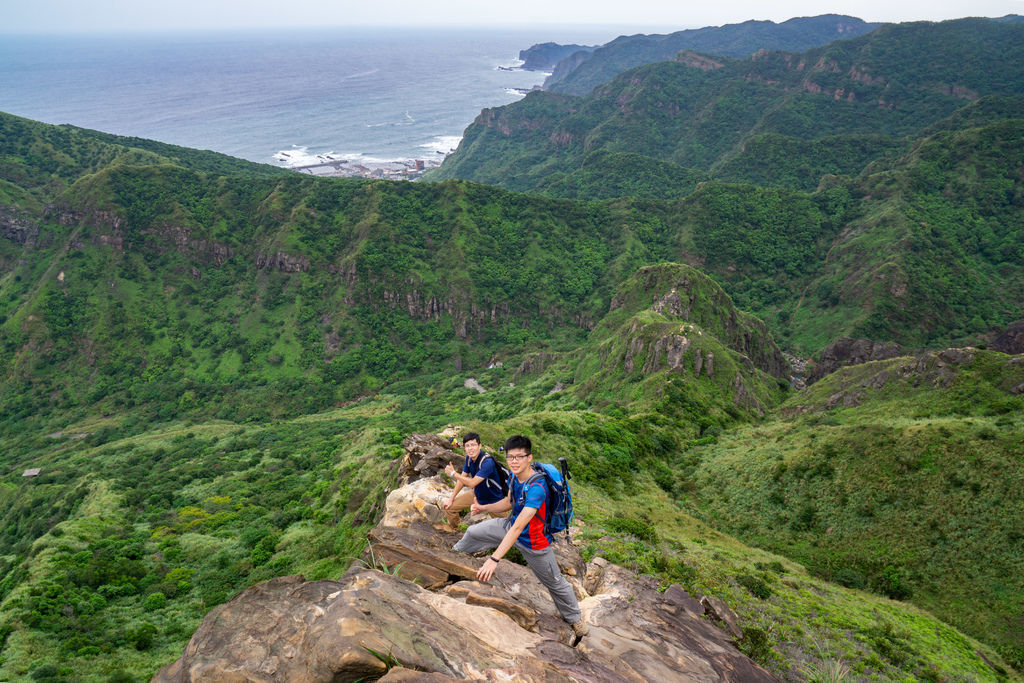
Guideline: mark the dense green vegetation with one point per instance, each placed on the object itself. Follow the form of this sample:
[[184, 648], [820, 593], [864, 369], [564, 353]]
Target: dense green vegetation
[[142, 536], [42, 159], [731, 40], [167, 523], [783, 117], [214, 362], [901, 477]]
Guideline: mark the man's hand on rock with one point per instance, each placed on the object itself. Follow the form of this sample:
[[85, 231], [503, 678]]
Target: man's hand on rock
[[487, 571]]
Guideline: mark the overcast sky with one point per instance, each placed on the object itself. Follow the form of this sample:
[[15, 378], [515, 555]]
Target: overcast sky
[[60, 16]]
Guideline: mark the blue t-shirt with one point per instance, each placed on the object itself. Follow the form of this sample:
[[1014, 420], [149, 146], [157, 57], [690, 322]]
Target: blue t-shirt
[[534, 495], [489, 490]]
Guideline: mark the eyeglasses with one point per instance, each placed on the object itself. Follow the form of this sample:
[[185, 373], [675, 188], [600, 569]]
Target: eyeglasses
[[516, 458]]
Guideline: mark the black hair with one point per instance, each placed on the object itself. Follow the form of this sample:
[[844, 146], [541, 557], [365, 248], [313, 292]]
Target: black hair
[[518, 441], [472, 436]]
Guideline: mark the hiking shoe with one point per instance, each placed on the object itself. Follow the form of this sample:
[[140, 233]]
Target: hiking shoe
[[580, 628]]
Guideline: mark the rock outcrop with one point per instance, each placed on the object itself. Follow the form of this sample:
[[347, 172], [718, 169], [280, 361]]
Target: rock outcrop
[[680, 292], [413, 610], [17, 228], [850, 386], [846, 351], [1010, 340]]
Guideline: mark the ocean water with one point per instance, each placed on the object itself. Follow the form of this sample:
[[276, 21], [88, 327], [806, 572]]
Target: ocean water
[[285, 97]]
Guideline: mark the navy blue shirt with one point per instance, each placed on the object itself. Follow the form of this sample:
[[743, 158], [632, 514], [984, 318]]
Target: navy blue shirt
[[489, 490]]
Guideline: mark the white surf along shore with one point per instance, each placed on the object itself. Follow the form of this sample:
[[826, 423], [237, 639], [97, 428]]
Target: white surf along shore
[[358, 165]]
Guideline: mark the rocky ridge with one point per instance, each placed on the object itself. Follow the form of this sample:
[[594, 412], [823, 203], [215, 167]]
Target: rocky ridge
[[413, 610], [851, 385], [846, 351]]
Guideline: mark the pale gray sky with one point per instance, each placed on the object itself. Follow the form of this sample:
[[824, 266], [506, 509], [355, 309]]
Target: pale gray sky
[[60, 16]]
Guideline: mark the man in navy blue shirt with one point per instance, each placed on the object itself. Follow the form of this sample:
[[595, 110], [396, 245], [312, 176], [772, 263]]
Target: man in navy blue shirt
[[479, 479], [524, 528]]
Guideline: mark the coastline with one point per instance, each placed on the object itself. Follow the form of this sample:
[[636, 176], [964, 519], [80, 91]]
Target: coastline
[[405, 169]]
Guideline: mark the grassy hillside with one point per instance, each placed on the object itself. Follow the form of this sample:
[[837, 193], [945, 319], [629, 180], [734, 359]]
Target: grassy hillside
[[41, 158], [902, 477], [152, 530], [315, 291]]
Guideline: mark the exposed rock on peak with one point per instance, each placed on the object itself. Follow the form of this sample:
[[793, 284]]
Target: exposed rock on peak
[[698, 61], [679, 291], [447, 625]]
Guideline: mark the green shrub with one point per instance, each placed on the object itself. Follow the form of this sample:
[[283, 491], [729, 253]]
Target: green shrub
[[142, 637], [757, 587], [154, 602], [756, 644], [849, 577], [626, 525], [47, 672]]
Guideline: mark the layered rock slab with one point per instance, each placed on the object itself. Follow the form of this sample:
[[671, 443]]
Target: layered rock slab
[[289, 629]]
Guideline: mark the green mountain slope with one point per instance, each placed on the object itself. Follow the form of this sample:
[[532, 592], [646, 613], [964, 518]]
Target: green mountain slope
[[580, 74], [40, 158], [320, 290], [901, 476], [938, 240], [213, 372], [672, 350], [701, 112], [158, 528]]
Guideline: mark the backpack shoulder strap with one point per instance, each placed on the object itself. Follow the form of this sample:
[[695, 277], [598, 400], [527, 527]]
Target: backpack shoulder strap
[[526, 484]]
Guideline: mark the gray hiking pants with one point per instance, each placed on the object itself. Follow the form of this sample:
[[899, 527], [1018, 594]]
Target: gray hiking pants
[[489, 533]]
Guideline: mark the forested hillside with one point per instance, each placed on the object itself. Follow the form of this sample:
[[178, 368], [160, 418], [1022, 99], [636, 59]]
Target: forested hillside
[[837, 106], [579, 73]]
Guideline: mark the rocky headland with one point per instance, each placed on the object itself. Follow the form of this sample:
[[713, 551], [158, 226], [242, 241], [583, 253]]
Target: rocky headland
[[544, 56], [412, 609]]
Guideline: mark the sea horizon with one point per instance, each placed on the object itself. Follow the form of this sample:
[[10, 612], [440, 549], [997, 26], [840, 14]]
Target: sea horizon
[[288, 97]]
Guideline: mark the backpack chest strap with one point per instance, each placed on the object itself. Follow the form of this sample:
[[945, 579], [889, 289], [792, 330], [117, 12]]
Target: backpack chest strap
[[536, 476]]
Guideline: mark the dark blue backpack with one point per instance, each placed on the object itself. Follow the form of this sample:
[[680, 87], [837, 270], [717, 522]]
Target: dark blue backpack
[[503, 473], [559, 502]]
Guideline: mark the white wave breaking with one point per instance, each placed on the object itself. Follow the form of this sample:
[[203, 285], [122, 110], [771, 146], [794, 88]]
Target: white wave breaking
[[443, 144], [299, 155], [513, 65]]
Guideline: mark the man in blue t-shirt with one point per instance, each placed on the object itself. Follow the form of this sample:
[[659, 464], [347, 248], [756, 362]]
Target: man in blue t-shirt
[[479, 479], [524, 528]]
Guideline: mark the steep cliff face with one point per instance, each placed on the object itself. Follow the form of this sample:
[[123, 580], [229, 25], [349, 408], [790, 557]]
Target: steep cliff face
[[731, 40], [1010, 340], [18, 228]]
